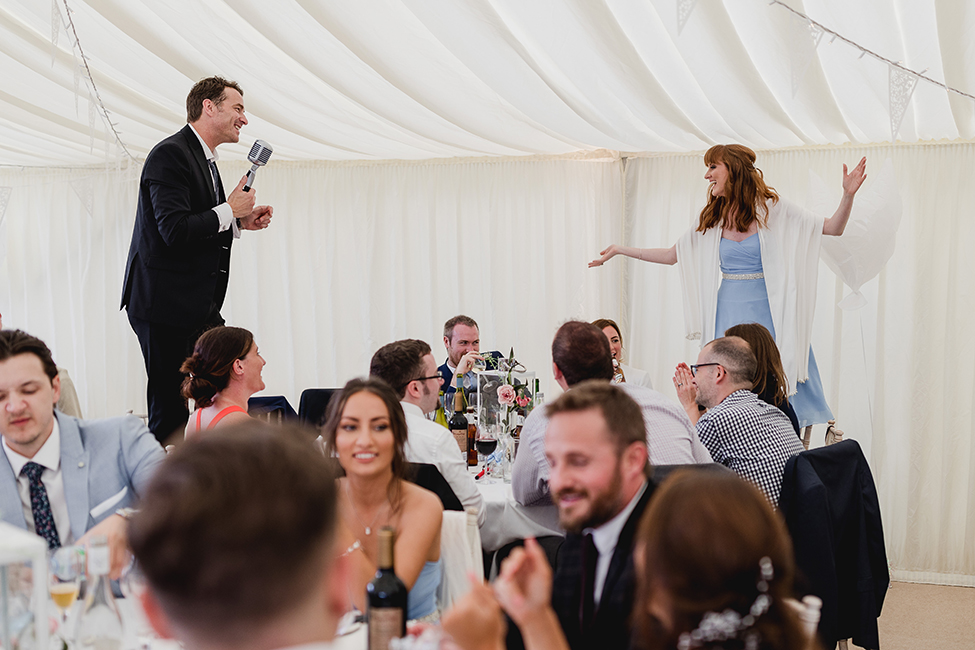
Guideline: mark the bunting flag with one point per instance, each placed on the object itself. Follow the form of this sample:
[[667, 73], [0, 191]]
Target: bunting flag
[[684, 9], [805, 39], [901, 86], [4, 200], [84, 188]]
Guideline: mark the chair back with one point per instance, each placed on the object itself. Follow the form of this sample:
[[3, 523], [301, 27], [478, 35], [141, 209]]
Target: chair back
[[313, 404], [460, 553], [273, 408], [429, 477]]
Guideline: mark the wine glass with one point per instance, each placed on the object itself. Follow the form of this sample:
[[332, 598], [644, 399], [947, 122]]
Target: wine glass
[[66, 566], [133, 584], [479, 364]]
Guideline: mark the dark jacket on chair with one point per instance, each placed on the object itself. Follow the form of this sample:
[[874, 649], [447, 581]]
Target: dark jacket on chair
[[831, 509]]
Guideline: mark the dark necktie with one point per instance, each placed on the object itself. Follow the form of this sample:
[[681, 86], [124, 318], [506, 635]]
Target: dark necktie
[[40, 507], [589, 557], [215, 175]]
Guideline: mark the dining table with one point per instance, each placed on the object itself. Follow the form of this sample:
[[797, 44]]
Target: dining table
[[506, 520]]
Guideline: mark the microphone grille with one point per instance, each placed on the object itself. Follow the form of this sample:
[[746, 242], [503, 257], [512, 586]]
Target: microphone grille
[[260, 153]]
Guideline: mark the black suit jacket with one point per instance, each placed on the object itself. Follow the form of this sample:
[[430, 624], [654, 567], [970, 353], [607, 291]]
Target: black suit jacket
[[610, 628], [830, 506], [178, 264]]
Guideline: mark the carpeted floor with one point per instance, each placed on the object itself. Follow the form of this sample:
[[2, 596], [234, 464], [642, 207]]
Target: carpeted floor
[[919, 616]]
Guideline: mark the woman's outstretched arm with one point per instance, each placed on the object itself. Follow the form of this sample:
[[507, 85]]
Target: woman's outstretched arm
[[657, 255], [852, 181]]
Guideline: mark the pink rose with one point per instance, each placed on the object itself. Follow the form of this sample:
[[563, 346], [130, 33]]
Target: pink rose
[[523, 401], [506, 395]]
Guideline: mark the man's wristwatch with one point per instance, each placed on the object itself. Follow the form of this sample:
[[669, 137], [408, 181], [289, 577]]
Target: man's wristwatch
[[126, 513]]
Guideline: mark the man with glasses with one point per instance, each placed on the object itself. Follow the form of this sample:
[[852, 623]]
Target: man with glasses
[[409, 368], [742, 432]]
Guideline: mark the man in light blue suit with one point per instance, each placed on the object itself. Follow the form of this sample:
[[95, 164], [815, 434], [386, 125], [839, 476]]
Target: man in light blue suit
[[63, 478]]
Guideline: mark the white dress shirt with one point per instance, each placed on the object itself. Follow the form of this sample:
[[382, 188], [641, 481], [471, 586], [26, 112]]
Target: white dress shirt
[[605, 538], [48, 457], [429, 442], [224, 212]]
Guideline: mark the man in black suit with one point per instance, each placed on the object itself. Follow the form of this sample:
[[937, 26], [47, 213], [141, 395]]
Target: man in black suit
[[179, 260], [596, 447]]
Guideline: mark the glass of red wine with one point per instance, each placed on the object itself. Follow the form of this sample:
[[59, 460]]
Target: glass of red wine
[[486, 444]]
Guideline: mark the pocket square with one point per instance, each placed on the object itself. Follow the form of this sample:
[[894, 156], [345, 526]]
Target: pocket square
[[109, 503]]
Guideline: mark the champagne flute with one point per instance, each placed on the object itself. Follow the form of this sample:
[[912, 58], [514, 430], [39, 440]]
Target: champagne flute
[[66, 565]]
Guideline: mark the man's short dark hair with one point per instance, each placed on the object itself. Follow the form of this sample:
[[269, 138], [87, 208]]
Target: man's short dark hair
[[236, 528], [623, 416], [448, 327], [211, 88], [16, 342], [398, 363], [581, 352], [735, 356]]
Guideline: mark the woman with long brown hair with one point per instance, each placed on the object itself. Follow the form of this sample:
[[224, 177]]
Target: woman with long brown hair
[[366, 430], [767, 252]]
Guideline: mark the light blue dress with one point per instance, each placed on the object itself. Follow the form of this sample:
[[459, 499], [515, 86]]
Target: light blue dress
[[746, 301], [422, 598]]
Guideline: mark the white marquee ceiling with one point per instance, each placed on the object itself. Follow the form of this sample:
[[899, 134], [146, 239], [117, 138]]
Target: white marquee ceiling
[[415, 79]]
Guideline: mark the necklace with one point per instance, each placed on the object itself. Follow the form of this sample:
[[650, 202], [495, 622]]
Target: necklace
[[368, 528]]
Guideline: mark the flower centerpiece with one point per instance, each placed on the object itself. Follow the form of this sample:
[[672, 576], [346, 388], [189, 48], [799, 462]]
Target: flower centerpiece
[[514, 395]]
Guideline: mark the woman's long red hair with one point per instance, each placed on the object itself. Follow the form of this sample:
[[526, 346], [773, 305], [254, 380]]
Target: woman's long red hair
[[746, 193]]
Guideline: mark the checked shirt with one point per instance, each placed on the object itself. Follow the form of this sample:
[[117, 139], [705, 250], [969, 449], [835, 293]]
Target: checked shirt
[[751, 437]]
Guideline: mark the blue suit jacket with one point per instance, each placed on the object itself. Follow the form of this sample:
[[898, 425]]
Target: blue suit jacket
[[105, 464]]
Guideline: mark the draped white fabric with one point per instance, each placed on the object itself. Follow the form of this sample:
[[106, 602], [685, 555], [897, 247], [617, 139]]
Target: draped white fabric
[[413, 79], [361, 254]]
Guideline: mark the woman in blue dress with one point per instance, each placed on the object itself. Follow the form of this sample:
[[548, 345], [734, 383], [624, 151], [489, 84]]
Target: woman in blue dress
[[754, 258], [367, 432]]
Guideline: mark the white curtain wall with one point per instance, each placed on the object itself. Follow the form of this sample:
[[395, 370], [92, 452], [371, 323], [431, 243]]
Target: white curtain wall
[[360, 254]]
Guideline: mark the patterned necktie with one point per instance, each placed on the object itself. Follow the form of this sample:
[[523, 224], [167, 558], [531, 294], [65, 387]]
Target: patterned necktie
[[215, 175], [40, 506], [590, 554]]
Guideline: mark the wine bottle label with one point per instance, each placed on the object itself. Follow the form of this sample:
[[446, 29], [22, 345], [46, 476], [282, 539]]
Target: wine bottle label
[[384, 624]]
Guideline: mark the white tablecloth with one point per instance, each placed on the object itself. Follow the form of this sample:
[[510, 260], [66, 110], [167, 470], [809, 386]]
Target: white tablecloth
[[506, 520]]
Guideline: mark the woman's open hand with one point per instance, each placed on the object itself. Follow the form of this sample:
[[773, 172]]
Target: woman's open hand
[[605, 255], [854, 179]]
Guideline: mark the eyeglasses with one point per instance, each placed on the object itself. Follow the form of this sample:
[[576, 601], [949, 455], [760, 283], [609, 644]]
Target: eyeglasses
[[440, 377], [701, 365]]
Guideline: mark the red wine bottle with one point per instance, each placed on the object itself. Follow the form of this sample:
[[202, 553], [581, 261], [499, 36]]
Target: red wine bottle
[[386, 594]]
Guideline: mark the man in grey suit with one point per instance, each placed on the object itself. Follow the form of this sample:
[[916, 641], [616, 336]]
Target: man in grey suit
[[63, 478]]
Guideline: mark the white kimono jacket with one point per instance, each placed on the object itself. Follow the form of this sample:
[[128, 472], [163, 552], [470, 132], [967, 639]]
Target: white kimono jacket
[[790, 261]]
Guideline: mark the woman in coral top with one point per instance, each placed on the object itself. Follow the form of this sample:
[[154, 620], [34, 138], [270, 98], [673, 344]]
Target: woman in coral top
[[223, 372]]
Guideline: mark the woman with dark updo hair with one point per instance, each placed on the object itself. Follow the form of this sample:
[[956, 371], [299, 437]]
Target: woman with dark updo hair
[[223, 372]]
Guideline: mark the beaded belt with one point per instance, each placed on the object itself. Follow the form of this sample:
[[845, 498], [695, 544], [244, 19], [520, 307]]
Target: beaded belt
[[742, 276]]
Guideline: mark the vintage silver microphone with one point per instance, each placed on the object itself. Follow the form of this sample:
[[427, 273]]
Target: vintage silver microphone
[[259, 155]]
